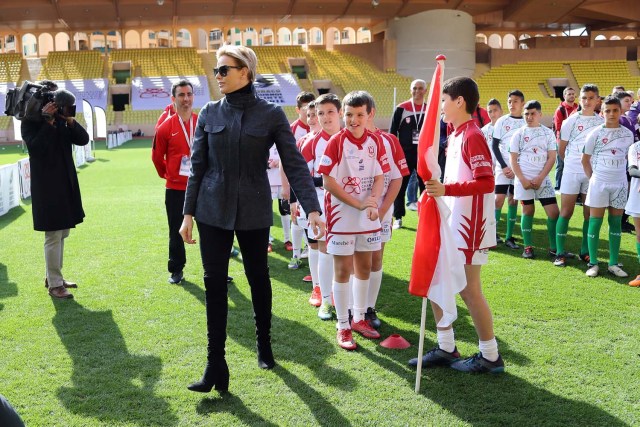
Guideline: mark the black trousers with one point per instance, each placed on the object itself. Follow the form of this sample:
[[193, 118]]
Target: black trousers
[[215, 245], [174, 202], [398, 205]]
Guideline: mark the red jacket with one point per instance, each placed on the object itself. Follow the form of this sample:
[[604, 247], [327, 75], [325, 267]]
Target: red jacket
[[561, 115], [169, 147]]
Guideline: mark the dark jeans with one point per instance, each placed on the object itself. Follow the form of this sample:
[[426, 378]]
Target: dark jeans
[[174, 202], [215, 245], [398, 205]]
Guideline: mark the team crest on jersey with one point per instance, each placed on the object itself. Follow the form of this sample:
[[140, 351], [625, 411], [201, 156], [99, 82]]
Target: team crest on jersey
[[325, 161], [371, 150], [351, 184], [580, 128], [605, 140], [408, 120], [507, 128], [526, 139]]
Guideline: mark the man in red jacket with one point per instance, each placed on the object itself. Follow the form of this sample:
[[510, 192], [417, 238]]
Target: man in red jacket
[[171, 155], [564, 110]]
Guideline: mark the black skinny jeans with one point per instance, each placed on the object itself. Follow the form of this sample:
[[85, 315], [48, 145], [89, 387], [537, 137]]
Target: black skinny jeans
[[174, 202], [215, 245], [399, 209]]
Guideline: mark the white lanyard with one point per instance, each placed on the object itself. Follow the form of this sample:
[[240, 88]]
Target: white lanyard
[[187, 137], [418, 118]]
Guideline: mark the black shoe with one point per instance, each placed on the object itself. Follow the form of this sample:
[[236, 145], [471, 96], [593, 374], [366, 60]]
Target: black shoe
[[528, 253], [229, 279], [627, 227], [511, 243], [437, 357], [215, 375], [265, 356], [499, 239], [372, 317], [579, 201], [585, 258], [480, 365], [176, 278], [567, 255]]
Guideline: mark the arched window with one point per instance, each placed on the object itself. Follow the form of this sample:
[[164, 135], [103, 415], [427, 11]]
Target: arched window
[[509, 42], [481, 38], [29, 45], [495, 41], [45, 41]]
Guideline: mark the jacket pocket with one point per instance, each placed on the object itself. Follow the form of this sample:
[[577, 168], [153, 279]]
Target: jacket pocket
[[212, 128]]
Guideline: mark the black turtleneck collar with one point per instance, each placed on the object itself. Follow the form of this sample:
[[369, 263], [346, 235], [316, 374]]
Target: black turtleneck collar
[[242, 97]]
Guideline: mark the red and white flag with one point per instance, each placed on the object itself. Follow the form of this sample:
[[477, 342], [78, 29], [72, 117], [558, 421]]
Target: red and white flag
[[437, 270]]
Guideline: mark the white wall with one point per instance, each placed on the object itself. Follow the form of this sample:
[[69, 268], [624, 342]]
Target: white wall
[[421, 37]]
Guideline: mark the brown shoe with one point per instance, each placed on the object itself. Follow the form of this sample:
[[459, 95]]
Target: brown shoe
[[60, 292], [64, 283]]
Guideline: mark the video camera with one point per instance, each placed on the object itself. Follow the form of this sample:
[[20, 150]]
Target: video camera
[[27, 102]]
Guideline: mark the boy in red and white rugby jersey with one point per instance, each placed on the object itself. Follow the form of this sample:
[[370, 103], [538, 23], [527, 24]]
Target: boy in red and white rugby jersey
[[468, 192], [328, 109], [392, 183], [352, 169]]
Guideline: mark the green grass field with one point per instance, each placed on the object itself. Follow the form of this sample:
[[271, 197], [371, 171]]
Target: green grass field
[[122, 352]]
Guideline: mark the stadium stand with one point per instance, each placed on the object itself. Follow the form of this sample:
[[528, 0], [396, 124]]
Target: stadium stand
[[605, 74], [73, 65], [160, 62], [10, 67]]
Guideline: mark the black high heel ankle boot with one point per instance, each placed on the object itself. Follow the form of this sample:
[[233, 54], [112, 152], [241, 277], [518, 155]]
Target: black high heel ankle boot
[[265, 355], [215, 375]]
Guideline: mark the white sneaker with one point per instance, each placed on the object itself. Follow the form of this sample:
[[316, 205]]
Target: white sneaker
[[412, 207], [397, 224], [305, 253], [617, 271], [326, 311], [593, 270]]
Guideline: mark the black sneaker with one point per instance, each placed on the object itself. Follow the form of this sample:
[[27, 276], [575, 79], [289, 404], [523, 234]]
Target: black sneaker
[[511, 243], [585, 258], [528, 253], [372, 318], [176, 278], [628, 227], [567, 255], [480, 365], [560, 261], [229, 279], [437, 357], [499, 239]]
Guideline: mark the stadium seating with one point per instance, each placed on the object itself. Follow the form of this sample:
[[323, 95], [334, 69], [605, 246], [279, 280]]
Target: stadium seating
[[73, 65], [10, 67], [160, 62], [525, 76], [605, 74]]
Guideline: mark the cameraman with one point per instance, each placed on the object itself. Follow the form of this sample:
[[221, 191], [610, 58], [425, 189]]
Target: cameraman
[[55, 192]]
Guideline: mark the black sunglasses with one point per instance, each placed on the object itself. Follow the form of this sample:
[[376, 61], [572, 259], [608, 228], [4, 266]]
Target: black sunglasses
[[224, 69]]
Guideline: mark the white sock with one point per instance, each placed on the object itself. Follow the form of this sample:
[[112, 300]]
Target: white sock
[[313, 266], [325, 276], [375, 280], [351, 293], [296, 234], [286, 227], [360, 297], [489, 349], [446, 340], [341, 298]]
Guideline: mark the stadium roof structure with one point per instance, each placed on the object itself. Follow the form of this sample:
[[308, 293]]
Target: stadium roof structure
[[498, 15]]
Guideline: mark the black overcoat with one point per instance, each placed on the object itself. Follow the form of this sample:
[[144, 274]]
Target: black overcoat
[[55, 192]]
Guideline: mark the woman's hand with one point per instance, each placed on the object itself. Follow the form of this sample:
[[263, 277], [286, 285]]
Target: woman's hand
[[186, 229], [434, 188], [316, 225]]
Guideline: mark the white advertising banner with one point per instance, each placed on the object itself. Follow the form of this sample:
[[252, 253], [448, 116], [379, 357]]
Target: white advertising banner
[[4, 88], [17, 130], [101, 123], [87, 112], [154, 93], [24, 168], [9, 187], [280, 89], [92, 90], [80, 155]]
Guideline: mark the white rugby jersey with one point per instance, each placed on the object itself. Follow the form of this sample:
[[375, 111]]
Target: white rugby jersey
[[533, 145], [274, 173], [472, 217], [503, 130], [299, 129], [608, 148], [633, 203], [574, 130], [312, 151], [353, 163]]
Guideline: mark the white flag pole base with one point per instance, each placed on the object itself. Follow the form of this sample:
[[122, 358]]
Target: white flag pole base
[[421, 344]]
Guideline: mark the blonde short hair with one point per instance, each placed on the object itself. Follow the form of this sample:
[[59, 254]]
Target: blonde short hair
[[245, 56]]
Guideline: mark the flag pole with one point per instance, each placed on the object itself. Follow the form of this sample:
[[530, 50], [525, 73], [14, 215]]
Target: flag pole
[[421, 344]]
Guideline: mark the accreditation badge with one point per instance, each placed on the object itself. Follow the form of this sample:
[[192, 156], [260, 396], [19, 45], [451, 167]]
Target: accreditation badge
[[415, 136], [185, 166]]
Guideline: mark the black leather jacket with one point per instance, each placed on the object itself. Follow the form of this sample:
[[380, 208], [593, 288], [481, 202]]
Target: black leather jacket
[[228, 187]]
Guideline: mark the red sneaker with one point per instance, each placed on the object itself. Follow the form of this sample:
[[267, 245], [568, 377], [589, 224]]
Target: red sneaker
[[363, 328], [316, 297], [345, 339], [307, 278], [288, 246]]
